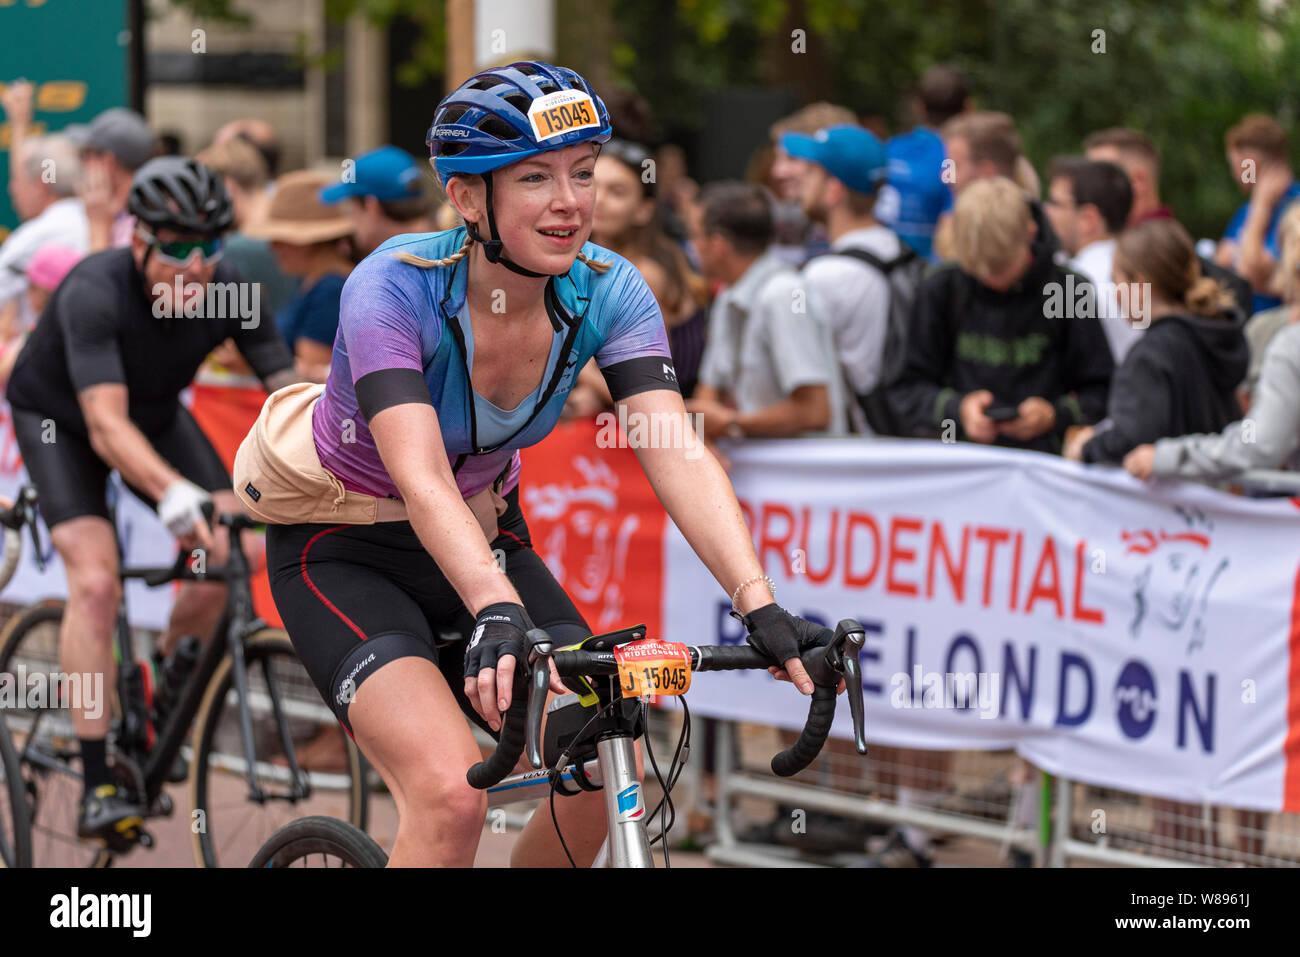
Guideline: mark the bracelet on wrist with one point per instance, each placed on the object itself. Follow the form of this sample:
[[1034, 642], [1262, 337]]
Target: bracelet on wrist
[[735, 596]]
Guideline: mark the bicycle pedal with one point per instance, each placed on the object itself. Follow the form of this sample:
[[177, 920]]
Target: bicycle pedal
[[161, 807]]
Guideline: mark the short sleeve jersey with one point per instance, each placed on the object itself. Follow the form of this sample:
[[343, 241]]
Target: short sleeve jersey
[[399, 340]]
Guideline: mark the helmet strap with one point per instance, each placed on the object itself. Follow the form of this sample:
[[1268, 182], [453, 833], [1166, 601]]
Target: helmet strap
[[493, 248]]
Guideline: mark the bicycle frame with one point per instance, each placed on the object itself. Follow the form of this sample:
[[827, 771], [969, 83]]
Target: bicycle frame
[[625, 810], [236, 623]]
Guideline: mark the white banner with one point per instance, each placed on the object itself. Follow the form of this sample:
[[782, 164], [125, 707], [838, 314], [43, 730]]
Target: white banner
[[144, 540], [1127, 635]]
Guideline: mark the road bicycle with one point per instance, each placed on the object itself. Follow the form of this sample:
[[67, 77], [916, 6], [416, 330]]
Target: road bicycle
[[15, 825], [599, 724], [251, 704]]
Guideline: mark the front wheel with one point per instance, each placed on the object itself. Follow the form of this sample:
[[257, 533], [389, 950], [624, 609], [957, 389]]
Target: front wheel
[[15, 826], [225, 816], [318, 841]]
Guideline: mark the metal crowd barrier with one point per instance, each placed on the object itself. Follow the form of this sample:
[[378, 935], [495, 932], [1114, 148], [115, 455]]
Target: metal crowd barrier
[[978, 806]]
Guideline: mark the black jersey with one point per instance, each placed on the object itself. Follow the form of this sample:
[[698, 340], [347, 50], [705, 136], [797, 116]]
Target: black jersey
[[100, 327]]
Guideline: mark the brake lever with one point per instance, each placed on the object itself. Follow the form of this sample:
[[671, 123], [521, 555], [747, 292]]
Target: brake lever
[[842, 655], [539, 682]]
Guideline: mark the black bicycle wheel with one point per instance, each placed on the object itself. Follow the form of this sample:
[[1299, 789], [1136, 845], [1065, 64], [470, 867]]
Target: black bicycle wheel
[[224, 818], [320, 842], [15, 826], [45, 739]]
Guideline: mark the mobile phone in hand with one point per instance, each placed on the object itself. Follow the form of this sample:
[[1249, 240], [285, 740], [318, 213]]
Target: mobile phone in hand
[[1002, 413]]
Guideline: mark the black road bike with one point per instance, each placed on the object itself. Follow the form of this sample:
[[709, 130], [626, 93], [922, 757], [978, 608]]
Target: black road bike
[[251, 704]]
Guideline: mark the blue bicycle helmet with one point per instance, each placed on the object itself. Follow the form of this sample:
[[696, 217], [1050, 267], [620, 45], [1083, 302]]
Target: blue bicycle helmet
[[488, 121], [505, 115]]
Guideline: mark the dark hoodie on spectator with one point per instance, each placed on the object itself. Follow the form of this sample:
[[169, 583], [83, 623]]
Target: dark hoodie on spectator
[[1179, 378], [965, 337]]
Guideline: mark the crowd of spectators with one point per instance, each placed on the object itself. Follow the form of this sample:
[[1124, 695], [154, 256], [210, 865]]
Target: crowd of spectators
[[930, 285]]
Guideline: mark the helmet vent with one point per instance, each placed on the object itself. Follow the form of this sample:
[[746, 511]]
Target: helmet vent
[[493, 126]]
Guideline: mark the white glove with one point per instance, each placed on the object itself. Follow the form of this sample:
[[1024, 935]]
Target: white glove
[[181, 507]]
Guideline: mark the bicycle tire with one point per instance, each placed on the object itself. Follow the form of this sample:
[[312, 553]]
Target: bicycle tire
[[309, 836], [262, 646], [52, 799], [16, 831]]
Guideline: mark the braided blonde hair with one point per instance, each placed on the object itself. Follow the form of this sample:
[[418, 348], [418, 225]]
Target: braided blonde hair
[[411, 259]]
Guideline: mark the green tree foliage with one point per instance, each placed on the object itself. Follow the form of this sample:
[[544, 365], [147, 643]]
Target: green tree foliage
[[1182, 73]]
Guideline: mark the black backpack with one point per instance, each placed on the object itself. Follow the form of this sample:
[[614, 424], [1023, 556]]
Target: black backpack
[[904, 274]]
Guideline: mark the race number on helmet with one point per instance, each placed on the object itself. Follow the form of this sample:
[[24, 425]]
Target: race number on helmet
[[505, 115]]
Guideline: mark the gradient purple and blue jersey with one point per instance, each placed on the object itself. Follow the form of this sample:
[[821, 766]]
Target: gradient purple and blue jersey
[[394, 334]]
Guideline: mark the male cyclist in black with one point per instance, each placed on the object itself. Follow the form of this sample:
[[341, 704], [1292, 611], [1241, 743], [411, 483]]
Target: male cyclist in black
[[97, 388]]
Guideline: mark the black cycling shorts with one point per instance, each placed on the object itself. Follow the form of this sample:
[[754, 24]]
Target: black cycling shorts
[[355, 597], [72, 479]]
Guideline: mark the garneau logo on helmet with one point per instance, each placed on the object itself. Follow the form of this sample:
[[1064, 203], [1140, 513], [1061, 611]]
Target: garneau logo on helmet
[[441, 132]]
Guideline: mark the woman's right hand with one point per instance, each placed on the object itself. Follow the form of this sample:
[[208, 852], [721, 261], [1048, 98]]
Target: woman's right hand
[[496, 648]]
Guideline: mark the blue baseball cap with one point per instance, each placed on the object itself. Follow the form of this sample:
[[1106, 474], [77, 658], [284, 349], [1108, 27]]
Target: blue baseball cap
[[385, 173], [852, 154]]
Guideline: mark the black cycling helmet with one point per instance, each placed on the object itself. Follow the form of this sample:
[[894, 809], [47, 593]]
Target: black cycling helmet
[[180, 194]]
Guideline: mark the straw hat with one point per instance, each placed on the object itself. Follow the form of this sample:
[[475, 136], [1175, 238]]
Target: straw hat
[[297, 216]]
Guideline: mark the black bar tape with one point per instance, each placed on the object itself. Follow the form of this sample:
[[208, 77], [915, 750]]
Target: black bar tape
[[510, 746], [821, 712], [732, 658]]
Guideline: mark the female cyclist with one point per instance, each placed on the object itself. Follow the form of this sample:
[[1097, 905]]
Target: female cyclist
[[455, 350]]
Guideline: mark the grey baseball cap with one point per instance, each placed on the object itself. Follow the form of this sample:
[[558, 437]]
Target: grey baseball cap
[[119, 131]]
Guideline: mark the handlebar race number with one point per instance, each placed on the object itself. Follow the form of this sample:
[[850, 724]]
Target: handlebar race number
[[561, 112], [651, 666]]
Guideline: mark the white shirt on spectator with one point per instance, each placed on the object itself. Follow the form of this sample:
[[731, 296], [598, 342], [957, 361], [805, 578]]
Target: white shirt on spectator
[[763, 343], [1095, 261], [62, 223], [852, 298]]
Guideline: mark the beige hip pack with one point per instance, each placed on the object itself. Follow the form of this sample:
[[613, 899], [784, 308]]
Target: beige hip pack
[[279, 477]]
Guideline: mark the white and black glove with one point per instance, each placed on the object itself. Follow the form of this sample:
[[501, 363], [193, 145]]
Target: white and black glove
[[499, 633], [499, 630], [181, 507]]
